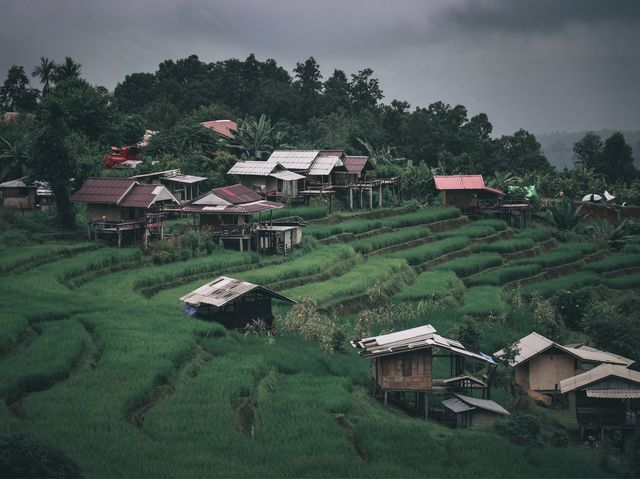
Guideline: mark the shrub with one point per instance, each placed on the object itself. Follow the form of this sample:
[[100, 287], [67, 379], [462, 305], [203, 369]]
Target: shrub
[[558, 439], [627, 281], [471, 230], [614, 262], [383, 240], [536, 234], [582, 246], [482, 301], [571, 305], [430, 285], [552, 258], [322, 330], [571, 281], [522, 429]]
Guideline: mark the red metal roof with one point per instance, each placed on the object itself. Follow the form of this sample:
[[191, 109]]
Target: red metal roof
[[236, 194], [140, 196], [222, 127], [463, 182], [355, 164], [103, 190]]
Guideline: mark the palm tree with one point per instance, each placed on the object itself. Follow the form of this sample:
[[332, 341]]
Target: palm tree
[[502, 181], [564, 216], [256, 139], [68, 69], [45, 72], [13, 158]]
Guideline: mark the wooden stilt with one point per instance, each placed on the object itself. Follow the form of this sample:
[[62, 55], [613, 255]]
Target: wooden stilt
[[89, 231], [385, 397], [426, 406], [350, 198], [361, 198], [380, 197], [370, 198], [241, 246]]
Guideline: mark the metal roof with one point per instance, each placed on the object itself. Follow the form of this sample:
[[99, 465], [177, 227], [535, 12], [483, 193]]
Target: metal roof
[[465, 377], [418, 338], [227, 195], [103, 190], [145, 196], [286, 175], [614, 393], [223, 290], [323, 165], [175, 176], [241, 209], [253, 168], [19, 183], [463, 182], [597, 374], [222, 127], [456, 405], [355, 164], [294, 159], [534, 344], [485, 404]]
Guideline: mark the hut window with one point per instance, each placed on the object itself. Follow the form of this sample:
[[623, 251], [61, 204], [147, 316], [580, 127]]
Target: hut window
[[406, 366]]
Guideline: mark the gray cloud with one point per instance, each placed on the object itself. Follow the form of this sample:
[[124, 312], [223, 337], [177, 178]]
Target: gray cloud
[[541, 65]]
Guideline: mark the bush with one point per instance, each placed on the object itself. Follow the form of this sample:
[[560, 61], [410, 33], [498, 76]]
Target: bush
[[614, 262], [429, 251], [522, 429], [482, 301], [536, 234], [571, 305], [552, 258], [558, 439], [322, 330], [383, 240], [472, 264], [504, 275], [430, 285]]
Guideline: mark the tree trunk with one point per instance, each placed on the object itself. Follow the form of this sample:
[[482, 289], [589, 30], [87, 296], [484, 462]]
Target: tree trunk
[[64, 206]]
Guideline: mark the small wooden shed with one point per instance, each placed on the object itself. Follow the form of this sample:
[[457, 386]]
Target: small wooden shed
[[465, 191], [232, 302], [473, 413], [23, 195], [268, 178]]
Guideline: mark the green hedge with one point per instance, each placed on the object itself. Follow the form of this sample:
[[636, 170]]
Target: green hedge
[[472, 264], [506, 246], [429, 285], [500, 276], [614, 262], [429, 251], [383, 240]]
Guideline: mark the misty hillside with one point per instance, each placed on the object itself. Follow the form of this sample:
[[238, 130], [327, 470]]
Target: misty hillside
[[558, 146]]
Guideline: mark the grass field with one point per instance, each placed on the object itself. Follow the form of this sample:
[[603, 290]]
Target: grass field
[[98, 360]]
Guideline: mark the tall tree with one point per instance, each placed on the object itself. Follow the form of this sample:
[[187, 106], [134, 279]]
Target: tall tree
[[15, 93], [617, 159], [308, 83], [66, 70], [52, 159], [588, 151], [336, 92], [45, 72], [14, 156], [365, 90], [519, 153]]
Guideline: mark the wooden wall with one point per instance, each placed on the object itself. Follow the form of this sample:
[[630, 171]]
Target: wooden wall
[[19, 198], [404, 372], [109, 212], [548, 369]]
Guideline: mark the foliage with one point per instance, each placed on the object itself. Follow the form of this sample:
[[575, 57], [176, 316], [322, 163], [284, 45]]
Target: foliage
[[393, 238], [546, 318], [522, 429], [429, 251], [15, 94], [504, 275], [472, 264], [482, 301], [505, 246], [431, 285], [572, 305], [614, 328], [21, 457], [323, 330], [564, 216], [256, 140]]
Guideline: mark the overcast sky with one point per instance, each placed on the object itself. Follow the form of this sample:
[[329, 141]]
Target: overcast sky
[[542, 65]]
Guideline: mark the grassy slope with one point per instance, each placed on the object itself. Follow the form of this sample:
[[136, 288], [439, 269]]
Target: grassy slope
[[94, 352]]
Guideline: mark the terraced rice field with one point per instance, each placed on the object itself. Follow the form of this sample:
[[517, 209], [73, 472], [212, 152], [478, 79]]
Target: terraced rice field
[[97, 359]]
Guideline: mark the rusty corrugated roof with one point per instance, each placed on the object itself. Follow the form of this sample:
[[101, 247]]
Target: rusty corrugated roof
[[236, 194], [222, 127], [223, 290], [103, 190], [355, 164]]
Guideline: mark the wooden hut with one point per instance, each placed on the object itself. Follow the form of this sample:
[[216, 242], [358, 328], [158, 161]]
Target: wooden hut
[[22, 195], [606, 399], [403, 361], [270, 179], [465, 191], [473, 413], [232, 302], [541, 364], [123, 208], [229, 213], [183, 187]]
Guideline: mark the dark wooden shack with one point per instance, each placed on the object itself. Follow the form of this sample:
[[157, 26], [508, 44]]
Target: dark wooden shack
[[232, 302], [606, 399], [21, 194]]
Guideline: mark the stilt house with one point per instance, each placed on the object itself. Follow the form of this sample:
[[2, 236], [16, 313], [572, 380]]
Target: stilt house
[[123, 208], [183, 187], [270, 179], [541, 364], [606, 399], [403, 362], [229, 213], [232, 302]]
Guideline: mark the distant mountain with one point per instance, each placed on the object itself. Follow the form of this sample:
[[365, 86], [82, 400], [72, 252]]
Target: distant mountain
[[558, 146]]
